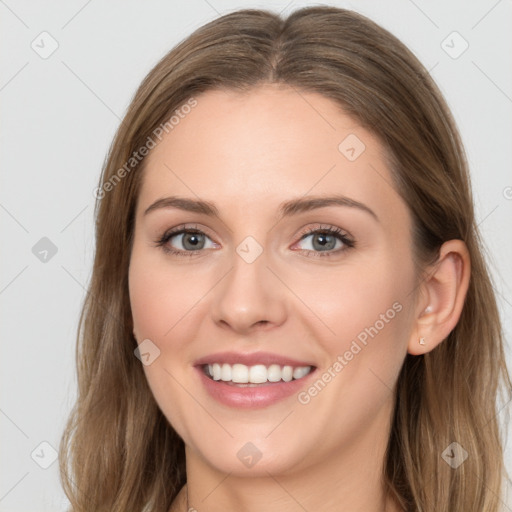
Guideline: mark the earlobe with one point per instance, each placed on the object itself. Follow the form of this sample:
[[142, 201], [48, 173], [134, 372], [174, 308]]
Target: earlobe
[[443, 292]]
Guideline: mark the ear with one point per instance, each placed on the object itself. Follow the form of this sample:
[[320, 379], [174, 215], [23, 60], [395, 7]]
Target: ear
[[442, 297]]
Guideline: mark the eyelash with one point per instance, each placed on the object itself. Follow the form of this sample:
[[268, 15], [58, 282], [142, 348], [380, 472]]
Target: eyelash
[[329, 230]]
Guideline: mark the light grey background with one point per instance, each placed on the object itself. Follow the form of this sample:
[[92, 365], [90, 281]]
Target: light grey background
[[59, 115]]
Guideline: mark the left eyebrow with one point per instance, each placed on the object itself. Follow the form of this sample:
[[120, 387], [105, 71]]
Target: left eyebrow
[[305, 204]]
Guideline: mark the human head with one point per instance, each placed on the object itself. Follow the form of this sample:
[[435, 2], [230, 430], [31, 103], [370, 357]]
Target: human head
[[377, 81]]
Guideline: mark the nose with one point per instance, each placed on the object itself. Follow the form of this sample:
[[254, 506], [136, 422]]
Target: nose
[[250, 297]]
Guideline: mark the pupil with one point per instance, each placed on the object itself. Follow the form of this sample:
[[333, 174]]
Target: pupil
[[193, 239], [324, 242]]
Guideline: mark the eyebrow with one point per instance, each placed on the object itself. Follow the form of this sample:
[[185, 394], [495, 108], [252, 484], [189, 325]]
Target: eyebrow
[[287, 208]]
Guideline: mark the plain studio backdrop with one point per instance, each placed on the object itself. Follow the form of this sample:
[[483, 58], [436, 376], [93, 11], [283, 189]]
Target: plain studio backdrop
[[68, 72]]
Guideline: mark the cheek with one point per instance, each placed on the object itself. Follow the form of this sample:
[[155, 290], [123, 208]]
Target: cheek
[[161, 296], [150, 297], [362, 315], [166, 303], [159, 310], [366, 311]]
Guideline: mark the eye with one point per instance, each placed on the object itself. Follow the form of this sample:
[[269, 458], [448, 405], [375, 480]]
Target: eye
[[184, 241], [325, 241], [317, 242]]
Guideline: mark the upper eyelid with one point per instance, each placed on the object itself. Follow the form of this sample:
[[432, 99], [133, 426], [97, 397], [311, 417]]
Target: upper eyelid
[[186, 227], [329, 228], [303, 231]]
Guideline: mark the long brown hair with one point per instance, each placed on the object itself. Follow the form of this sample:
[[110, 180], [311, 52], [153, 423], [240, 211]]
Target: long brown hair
[[118, 451]]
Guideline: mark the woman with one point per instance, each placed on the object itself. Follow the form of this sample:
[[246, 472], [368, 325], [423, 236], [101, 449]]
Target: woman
[[289, 307]]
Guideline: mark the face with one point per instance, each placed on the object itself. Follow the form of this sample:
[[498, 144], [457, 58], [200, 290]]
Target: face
[[288, 257]]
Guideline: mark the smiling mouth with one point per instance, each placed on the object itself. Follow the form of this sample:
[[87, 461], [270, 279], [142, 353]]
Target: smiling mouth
[[242, 375]]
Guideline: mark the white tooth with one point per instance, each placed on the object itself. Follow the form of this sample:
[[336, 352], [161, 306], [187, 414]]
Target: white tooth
[[258, 374], [274, 373], [287, 373], [210, 370], [301, 371], [240, 373], [217, 371], [226, 372]]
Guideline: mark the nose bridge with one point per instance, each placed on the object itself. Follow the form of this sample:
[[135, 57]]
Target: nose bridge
[[249, 294]]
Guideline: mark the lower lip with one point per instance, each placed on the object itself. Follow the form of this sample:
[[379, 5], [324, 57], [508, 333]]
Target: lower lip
[[255, 397]]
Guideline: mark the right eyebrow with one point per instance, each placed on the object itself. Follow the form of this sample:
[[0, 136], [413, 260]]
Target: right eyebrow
[[182, 203]]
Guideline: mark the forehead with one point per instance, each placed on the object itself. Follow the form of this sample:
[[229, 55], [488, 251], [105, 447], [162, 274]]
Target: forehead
[[265, 146]]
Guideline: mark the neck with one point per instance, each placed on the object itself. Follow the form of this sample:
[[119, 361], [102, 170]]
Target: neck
[[348, 480], [283, 494]]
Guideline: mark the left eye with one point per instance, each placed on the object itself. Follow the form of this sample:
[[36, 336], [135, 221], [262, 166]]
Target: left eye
[[323, 241]]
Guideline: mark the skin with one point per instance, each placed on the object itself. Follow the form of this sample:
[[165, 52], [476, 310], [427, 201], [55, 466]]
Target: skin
[[248, 153]]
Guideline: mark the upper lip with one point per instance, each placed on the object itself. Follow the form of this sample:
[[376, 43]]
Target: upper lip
[[251, 359]]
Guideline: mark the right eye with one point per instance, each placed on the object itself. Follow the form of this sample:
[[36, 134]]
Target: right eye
[[192, 241]]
